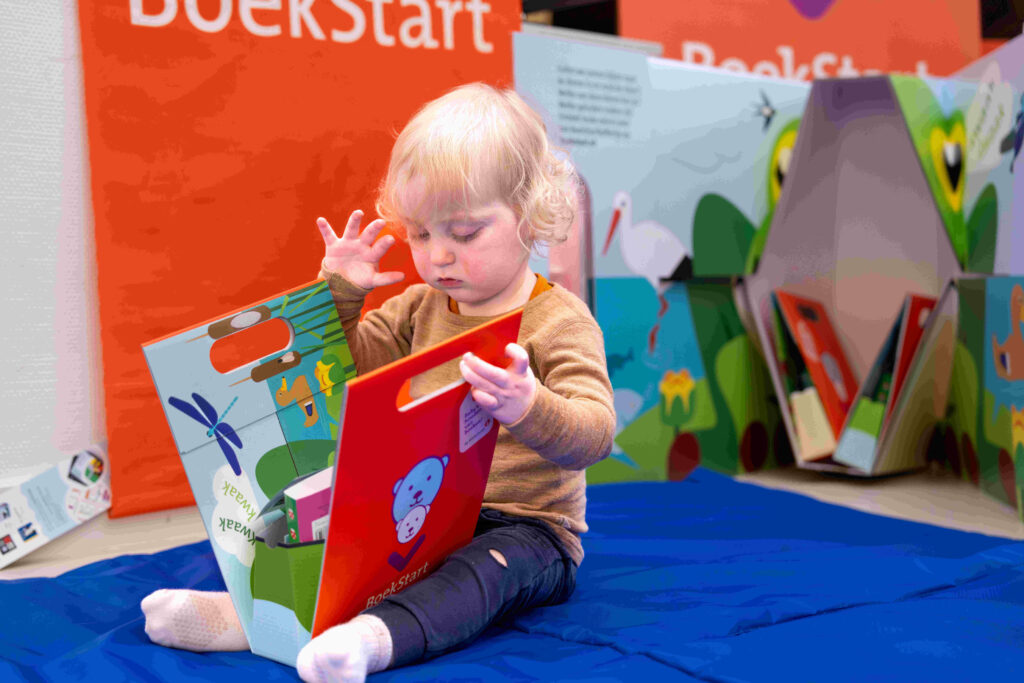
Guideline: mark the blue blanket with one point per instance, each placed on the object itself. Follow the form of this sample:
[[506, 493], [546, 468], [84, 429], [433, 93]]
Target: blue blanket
[[705, 579]]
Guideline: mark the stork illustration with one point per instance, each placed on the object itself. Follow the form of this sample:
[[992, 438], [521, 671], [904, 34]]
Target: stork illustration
[[650, 250]]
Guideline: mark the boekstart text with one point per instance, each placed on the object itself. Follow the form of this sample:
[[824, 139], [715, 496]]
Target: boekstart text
[[347, 20], [397, 585]]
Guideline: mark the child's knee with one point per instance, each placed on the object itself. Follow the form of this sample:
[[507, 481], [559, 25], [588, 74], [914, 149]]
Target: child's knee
[[499, 558]]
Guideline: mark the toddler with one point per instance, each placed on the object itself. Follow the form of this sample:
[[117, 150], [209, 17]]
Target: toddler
[[473, 185]]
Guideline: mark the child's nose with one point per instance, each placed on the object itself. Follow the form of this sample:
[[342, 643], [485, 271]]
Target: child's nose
[[440, 255]]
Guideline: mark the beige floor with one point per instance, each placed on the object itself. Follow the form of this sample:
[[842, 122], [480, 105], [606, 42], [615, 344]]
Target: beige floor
[[924, 497]]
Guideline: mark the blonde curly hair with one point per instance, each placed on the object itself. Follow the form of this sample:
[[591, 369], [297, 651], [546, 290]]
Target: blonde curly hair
[[475, 145]]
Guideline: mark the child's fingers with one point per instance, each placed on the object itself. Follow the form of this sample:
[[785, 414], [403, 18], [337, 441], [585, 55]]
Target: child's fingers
[[484, 399], [352, 227], [380, 247], [326, 231], [520, 359], [391, 277], [475, 379], [492, 374], [372, 230]]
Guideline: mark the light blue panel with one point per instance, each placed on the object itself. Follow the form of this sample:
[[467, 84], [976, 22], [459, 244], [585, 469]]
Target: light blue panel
[[276, 633], [48, 490], [691, 131], [856, 448], [181, 366], [627, 314]]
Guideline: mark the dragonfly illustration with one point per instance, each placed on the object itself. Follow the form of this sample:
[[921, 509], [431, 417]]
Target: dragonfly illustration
[[216, 425]]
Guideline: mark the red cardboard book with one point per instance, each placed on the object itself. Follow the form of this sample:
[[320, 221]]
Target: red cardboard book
[[409, 479], [916, 312], [810, 328]]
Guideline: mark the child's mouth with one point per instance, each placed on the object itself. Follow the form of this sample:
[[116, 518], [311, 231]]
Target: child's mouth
[[449, 282]]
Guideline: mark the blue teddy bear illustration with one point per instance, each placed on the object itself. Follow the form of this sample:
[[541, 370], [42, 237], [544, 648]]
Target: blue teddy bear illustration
[[413, 495]]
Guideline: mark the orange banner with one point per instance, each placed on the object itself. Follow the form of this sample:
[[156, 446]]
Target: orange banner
[[805, 39], [218, 131]]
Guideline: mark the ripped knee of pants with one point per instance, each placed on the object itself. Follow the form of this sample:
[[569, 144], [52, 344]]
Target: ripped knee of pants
[[499, 558]]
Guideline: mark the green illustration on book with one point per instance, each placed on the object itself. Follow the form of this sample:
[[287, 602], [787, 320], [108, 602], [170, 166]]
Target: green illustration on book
[[943, 143], [983, 435], [725, 241]]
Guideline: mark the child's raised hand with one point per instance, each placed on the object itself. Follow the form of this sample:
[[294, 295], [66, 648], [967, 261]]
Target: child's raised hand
[[505, 394], [355, 256]]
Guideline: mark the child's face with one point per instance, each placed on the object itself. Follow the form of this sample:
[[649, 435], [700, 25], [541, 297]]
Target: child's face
[[473, 255]]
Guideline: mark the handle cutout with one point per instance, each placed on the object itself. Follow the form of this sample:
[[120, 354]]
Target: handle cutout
[[405, 399], [250, 345]]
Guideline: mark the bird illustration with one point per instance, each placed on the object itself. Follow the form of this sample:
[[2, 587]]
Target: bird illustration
[[649, 250], [765, 110], [323, 374]]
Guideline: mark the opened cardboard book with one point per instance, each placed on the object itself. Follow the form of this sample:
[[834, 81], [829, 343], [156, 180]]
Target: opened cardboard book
[[836, 419], [893, 191]]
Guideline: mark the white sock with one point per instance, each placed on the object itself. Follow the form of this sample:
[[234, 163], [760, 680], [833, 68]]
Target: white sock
[[347, 652], [201, 621]]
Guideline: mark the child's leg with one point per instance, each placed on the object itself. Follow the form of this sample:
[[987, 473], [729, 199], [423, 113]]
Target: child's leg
[[201, 621], [511, 565]]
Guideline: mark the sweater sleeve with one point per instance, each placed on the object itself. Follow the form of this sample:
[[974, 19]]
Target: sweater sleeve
[[572, 419], [384, 334]]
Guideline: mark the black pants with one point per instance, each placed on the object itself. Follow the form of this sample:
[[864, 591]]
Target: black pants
[[472, 589]]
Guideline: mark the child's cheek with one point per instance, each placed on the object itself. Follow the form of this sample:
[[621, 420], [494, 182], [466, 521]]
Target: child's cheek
[[421, 263]]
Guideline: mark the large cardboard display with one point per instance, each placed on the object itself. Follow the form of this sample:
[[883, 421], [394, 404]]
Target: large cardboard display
[[875, 210], [253, 399], [683, 167], [218, 132]]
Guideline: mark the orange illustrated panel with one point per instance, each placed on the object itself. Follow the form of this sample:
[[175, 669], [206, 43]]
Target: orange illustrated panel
[[218, 132], [809, 325]]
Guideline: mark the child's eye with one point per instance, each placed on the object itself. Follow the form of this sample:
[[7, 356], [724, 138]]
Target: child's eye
[[419, 236], [465, 233]]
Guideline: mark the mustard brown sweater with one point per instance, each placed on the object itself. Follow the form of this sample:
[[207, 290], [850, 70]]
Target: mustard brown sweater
[[539, 460]]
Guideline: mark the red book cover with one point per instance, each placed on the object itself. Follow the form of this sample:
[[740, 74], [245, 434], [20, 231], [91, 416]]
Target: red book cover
[[409, 479], [916, 312], [822, 353]]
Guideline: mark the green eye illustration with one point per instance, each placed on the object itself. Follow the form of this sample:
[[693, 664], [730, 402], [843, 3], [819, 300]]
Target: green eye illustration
[[947, 151], [781, 156]]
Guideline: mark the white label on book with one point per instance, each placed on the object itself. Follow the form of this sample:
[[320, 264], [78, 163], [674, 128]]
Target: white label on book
[[474, 423], [320, 528], [234, 514]]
